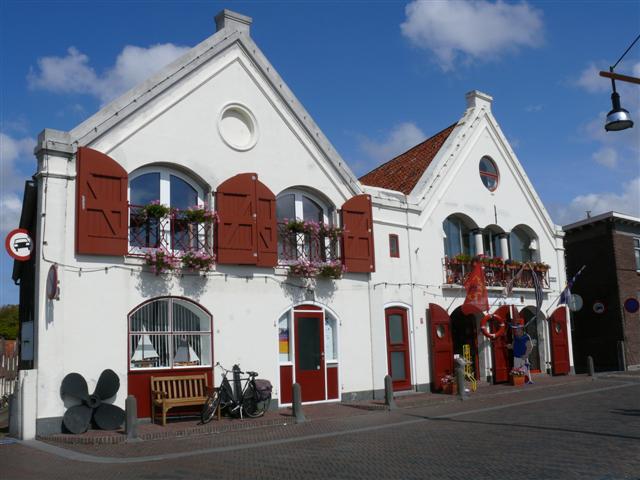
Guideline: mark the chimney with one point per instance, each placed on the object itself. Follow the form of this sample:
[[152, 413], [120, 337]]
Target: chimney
[[233, 21], [478, 99]]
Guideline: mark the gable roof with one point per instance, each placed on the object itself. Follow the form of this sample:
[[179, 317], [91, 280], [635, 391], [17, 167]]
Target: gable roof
[[403, 172]]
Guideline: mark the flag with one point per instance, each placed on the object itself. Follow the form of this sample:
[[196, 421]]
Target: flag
[[509, 286], [476, 289], [565, 296]]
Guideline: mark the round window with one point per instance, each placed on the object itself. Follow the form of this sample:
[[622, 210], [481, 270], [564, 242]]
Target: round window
[[237, 127], [440, 331], [489, 173]]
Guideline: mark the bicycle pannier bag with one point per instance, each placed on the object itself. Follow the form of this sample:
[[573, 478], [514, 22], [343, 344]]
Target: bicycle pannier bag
[[263, 390]]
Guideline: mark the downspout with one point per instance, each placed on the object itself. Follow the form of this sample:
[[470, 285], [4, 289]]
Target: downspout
[[413, 313]]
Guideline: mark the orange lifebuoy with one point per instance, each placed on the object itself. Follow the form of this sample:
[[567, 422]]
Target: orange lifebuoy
[[485, 328]]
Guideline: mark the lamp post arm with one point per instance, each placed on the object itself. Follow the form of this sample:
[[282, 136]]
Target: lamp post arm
[[622, 78]]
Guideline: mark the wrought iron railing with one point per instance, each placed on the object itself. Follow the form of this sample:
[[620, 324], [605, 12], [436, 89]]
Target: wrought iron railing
[[172, 233], [312, 246], [497, 274]]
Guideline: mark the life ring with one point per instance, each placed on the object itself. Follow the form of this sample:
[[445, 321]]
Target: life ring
[[485, 328]]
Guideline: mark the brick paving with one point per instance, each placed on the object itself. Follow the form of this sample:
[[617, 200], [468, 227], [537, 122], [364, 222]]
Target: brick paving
[[563, 429]]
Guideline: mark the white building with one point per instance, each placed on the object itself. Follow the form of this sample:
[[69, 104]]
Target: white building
[[219, 129]]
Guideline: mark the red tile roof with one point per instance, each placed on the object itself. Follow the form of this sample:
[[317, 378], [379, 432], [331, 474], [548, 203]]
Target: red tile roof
[[403, 172]]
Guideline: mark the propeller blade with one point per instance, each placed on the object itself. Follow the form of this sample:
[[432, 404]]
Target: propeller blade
[[73, 385], [108, 417], [108, 385], [77, 419]]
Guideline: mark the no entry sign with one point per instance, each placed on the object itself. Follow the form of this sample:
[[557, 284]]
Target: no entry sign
[[19, 244]]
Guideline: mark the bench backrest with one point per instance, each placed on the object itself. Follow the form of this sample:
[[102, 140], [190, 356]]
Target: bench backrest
[[181, 386]]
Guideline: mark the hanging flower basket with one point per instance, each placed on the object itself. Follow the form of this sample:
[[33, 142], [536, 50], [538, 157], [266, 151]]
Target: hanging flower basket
[[196, 214], [304, 268], [333, 269], [200, 261], [161, 261], [156, 209]]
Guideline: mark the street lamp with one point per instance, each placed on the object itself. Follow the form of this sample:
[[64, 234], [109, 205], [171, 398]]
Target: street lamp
[[618, 118]]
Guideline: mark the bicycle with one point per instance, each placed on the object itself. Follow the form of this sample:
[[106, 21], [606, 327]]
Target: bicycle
[[251, 399]]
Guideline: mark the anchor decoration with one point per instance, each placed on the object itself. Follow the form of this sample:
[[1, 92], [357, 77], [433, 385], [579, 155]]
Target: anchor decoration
[[105, 416]]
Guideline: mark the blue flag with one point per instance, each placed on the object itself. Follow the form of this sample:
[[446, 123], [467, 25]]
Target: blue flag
[[565, 296]]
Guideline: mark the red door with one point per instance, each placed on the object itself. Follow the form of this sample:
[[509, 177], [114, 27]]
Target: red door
[[500, 353], [559, 342], [441, 345], [310, 365], [398, 348]]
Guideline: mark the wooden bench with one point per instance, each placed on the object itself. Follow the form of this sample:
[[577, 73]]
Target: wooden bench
[[178, 391]]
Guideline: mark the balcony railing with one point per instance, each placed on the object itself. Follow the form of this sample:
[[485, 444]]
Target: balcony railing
[[309, 245], [172, 232], [497, 274]]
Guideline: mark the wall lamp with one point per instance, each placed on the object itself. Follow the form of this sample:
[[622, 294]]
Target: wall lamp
[[618, 118]]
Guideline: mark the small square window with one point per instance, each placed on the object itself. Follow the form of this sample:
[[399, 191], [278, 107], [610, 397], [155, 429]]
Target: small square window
[[394, 248]]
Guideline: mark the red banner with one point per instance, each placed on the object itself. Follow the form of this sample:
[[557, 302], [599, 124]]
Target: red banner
[[476, 289]]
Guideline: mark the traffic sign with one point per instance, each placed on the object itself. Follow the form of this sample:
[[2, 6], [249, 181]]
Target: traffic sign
[[19, 244], [631, 305], [598, 307]]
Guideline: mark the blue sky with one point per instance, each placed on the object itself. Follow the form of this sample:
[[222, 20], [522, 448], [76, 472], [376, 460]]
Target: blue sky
[[377, 76]]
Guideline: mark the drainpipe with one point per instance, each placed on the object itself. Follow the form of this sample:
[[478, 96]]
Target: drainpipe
[[412, 353]]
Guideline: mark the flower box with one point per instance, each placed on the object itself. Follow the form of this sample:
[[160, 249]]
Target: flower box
[[517, 380], [450, 388]]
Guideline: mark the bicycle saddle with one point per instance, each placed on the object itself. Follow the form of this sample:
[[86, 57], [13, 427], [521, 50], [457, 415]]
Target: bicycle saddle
[[252, 374]]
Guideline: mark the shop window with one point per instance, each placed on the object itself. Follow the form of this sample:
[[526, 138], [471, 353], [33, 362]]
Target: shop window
[[169, 333], [394, 247], [284, 338], [489, 173]]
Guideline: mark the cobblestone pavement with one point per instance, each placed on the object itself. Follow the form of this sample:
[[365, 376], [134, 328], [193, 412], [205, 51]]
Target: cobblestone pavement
[[580, 429]]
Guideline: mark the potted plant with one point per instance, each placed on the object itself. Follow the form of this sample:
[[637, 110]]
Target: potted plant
[[449, 384], [156, 209], [196, 214], [294, 225], [517, 376], [333, 269], [304, 268]]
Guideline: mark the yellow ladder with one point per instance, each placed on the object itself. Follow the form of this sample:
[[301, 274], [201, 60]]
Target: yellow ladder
[[468, 367]]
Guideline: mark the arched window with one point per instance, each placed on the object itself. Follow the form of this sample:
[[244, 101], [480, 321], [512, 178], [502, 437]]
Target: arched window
[[169, 333], [297, 211], [167, 187], [491, 242], [457, 236], [523, 245]]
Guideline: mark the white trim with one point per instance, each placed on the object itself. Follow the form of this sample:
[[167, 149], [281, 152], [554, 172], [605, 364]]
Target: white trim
[[255, 131]]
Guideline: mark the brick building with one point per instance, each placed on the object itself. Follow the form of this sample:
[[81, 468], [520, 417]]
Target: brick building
[[606, 329]]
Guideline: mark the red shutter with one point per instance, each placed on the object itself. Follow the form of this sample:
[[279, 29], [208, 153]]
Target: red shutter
[[441, 345], [101, 204], [267, 226], [236, 207], [559, 342], [501, 354], [357, 222]]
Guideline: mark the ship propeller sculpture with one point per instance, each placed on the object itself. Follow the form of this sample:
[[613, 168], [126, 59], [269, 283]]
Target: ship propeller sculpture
[[105, 416]]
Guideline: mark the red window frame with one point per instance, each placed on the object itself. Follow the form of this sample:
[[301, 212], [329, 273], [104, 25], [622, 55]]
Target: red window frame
[[394, 241]]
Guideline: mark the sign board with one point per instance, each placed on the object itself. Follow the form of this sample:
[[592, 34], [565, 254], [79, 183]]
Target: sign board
[[598, 307], [19, 244], [631, 305], [26, 341]]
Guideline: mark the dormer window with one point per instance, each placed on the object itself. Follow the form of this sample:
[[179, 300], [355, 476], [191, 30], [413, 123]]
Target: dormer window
[[489, 173]]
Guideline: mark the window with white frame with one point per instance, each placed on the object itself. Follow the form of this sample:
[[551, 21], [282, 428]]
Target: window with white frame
[[330, 338], [167, 187], [636, 251], [523, 245], [457, 237], [297, 211], [169, 333]]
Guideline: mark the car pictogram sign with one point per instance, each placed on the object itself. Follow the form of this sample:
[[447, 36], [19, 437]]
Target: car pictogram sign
[[19, 244]]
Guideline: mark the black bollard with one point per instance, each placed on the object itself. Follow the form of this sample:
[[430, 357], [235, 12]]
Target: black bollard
[[590, 366], [389, 401], [131, 419], [297, 404]]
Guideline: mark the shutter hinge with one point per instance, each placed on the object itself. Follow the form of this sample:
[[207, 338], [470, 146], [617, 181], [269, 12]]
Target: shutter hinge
[[84, 202]]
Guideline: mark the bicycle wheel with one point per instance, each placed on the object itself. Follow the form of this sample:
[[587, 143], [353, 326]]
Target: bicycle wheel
[[210, 407], [251, 406]]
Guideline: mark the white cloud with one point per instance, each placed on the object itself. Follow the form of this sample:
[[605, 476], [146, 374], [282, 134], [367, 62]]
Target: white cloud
[[591, 80], [478, 30], [627, 201], [607, 157], [13, 153], [534, 108], [73, 73], [401, 138]]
